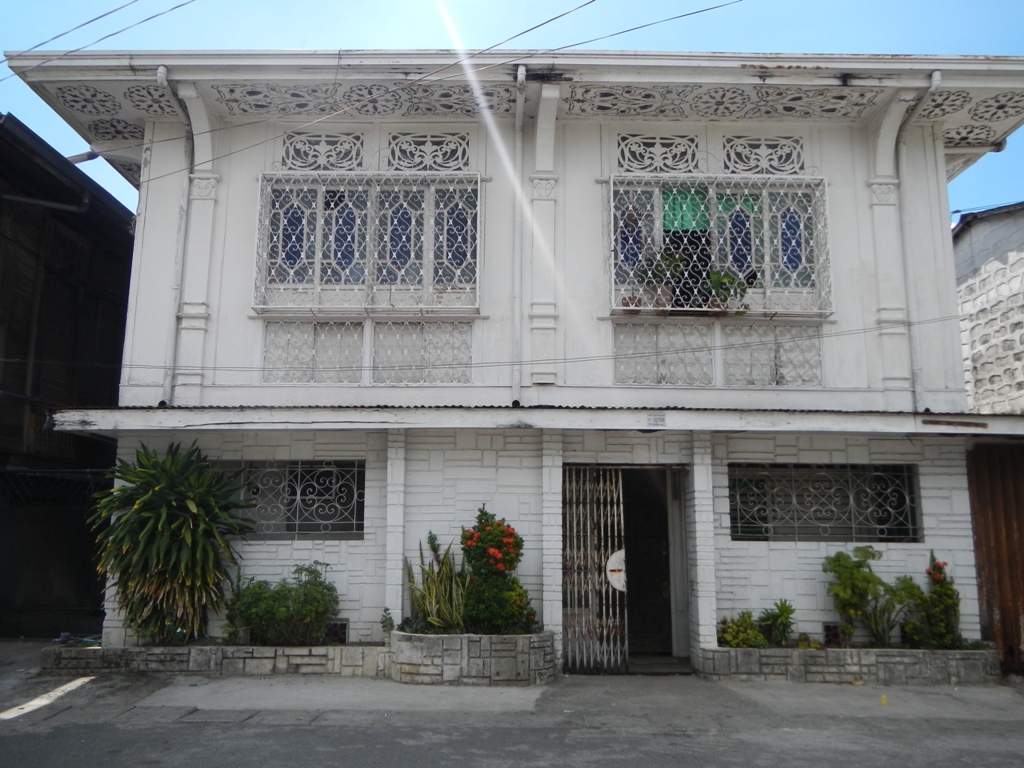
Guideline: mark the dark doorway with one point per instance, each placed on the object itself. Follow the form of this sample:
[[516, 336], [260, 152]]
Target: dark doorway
[[648, 573]]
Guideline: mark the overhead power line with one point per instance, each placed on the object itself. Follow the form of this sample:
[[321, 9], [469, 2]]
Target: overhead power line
[[100, 40], [75, 29]]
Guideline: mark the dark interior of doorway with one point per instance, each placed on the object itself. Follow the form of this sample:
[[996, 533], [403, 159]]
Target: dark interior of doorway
[[648, 579]]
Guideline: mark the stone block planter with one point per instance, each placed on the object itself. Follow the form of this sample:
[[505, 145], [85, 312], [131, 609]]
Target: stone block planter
[[473, 659], [889, 666]]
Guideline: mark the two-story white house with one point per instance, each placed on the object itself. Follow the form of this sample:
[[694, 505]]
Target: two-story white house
[[700, 308]]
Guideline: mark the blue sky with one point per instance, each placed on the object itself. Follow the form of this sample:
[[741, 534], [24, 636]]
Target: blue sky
[[981, 27]]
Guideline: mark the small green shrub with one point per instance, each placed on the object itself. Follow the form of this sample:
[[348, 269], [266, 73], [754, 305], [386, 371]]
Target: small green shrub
[[438, 601], [293, 612], [851, 590], [887, 605], [935, 621], [741, 632], [496, 603], [779, 622]]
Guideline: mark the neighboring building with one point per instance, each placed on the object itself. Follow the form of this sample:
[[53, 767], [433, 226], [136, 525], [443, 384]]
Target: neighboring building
[[694, 306], [65, 256], [989, 247]]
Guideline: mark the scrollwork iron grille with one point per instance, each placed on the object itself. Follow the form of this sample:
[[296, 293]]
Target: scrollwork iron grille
[[312, 499], [714, 243], [842, 503], [368, 241], [313, 353], [422, 353], [771, 355], [664, 353]]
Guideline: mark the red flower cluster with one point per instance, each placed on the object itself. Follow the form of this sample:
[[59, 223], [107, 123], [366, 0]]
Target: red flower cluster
[[492, 544], [937, 571]]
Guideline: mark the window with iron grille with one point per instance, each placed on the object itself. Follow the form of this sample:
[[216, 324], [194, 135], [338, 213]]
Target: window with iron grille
[[708, 243], [368, 241], [842, 503], [306, 499]]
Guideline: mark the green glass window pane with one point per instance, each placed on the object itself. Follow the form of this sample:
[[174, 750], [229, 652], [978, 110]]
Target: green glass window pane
[[727, 203], [685, 209]]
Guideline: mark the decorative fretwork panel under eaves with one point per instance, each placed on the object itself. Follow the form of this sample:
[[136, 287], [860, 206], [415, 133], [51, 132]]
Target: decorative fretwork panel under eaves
[[368, 241], [708, 243]]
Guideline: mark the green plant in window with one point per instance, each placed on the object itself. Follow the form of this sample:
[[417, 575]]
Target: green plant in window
[[720, 288], [163, 537]]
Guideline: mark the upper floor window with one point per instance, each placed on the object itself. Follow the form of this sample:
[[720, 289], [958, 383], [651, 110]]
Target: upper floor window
[[368, 240], [719, 242]]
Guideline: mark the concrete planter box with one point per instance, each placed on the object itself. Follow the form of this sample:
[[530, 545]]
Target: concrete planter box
[[473, 659], [422, 659], [890, 666]]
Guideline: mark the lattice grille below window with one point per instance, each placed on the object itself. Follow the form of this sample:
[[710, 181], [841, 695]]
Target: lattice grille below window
[[422, 353], [313, 353], [669, 353], [771, 355], [368, 241], [314, 499], [704, 243], [844, 503]]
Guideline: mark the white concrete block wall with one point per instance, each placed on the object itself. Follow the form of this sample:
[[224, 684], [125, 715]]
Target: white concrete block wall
[[751, 575], [449, 474], [626, 447]]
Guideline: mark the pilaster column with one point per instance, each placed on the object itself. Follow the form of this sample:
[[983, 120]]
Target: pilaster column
[[700, 525], [551, 536], [394, 558], [544, 183]]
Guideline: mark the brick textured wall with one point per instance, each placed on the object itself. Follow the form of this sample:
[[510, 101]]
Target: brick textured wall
[[751, 575]]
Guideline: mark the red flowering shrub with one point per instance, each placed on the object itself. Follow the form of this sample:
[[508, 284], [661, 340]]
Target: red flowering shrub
[[935, 621], [496, 602]]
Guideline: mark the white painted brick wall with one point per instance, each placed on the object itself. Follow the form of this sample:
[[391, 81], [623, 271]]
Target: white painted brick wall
[[753, 574]]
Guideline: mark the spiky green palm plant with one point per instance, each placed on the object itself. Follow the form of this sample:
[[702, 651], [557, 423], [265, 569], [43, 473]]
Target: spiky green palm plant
[[162, 539]]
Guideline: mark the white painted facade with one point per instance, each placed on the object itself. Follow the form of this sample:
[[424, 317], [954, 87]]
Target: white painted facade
[[867, 371]]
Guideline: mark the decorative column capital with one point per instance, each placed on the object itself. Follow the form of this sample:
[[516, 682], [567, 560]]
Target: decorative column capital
[[884, 191], [543, 187], [204, 186]]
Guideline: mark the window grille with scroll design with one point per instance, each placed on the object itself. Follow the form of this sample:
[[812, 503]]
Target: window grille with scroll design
[[306, 499], [673, 238], [368, 241], [840, 503]]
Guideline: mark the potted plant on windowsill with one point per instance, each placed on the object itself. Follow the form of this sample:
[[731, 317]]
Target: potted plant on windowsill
[[721, 291]]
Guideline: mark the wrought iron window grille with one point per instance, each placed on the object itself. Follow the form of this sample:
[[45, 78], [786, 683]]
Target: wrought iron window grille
[[840, 503], [361, 242], [711, 244], [306, 499]]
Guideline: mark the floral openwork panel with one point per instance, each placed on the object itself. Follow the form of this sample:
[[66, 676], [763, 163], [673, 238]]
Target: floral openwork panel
[[842, 503], [313, 353], [422, 353], [713, 243], [663, 353], [657, 154], [314, 499], [323, 152], [771, 355], [772, 156], [428, 151], [368, 241]]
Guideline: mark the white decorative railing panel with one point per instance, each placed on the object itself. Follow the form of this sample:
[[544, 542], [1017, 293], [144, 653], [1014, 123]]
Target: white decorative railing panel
[[313, 353], [422, 353], [771, 355], [663, 353]]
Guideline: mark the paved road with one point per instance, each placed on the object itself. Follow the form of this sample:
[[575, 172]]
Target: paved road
[[139, 720]]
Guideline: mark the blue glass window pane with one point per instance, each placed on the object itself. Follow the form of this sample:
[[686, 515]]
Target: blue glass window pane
[[630, 241], [457, 237], [791, 239], [400, 238], [294, 235], [345, 224], [741, 241]]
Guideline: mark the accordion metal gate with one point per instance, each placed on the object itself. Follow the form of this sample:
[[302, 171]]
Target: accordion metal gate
[[593, 570]]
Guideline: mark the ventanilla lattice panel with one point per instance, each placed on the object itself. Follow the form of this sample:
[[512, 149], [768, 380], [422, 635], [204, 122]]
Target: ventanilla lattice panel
[[843, 503], [704, 243], [313, 353], [368, 241], [422, 353], [771, 355], [663, 353]]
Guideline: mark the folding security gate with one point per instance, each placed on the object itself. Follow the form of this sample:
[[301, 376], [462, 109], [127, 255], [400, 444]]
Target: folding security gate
[[593, 570]]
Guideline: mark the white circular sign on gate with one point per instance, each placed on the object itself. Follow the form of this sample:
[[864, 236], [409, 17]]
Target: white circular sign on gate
[[615, 570]]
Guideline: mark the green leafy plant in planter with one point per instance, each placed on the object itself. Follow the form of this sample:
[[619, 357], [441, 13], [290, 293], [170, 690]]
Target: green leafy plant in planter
[[720, 288], [741, 632], [438, 600], [496, 602], [852, 585], [776, 623], [162, 536], [935, 621], [295, 612]]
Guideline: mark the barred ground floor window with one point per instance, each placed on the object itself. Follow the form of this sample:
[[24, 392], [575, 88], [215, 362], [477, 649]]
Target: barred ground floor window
[[306, 499], [841, 503]]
